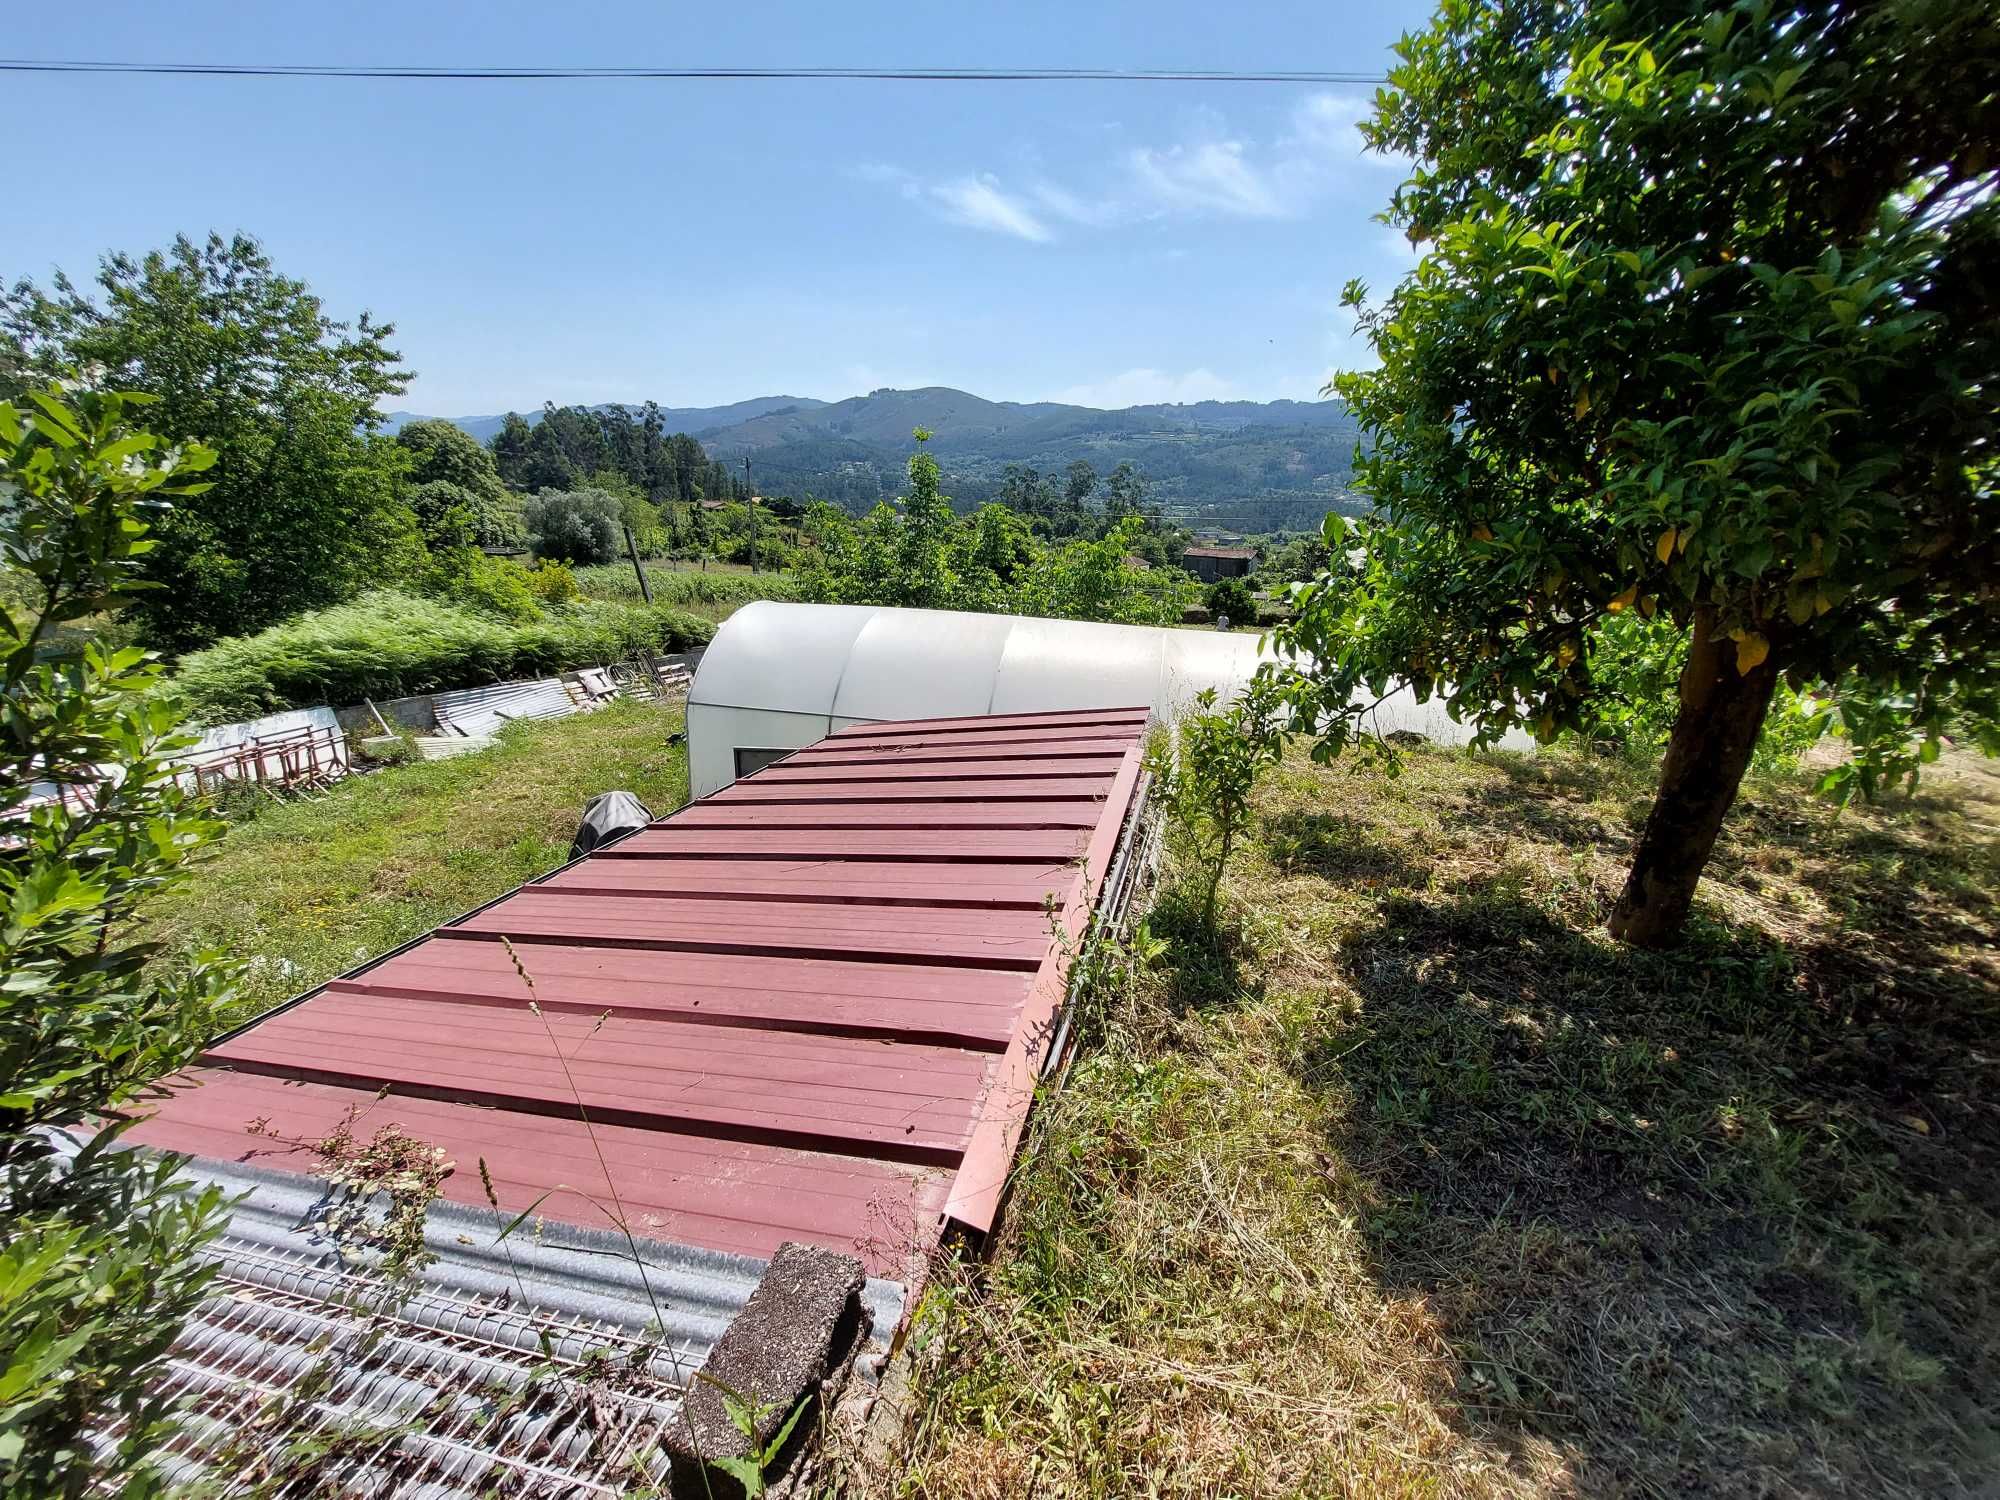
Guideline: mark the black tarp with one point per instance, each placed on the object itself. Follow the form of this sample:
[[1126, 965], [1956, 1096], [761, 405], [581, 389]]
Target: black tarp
[[607, 816]]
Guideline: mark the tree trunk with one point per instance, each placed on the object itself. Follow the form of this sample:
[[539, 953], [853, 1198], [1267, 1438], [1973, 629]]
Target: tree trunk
[[1714, 735]]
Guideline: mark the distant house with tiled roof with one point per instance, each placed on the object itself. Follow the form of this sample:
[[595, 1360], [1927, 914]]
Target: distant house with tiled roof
[[1213, 564]]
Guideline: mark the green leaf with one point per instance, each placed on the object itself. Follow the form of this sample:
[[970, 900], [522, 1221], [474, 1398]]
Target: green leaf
[[59, 424], [527, 1213], [784, 1433], [746, 1472]]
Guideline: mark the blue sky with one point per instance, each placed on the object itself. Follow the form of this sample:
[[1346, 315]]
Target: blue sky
[[704, 242]]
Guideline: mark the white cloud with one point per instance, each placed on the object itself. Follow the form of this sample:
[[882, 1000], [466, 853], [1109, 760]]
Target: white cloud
[[1330, 123], [1209, 173], [1148, 387], [1222, 175], [973, 202], [1093, 213], [1213, 177], [979, 203], [890, 176]]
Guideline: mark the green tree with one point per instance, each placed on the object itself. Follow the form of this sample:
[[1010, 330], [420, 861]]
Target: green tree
[[1706, 331], [1231, 597], [447, 514], [1002, 546], [574, 526], [649, 528], [1299, 560], [1204, 773], [512, 447], [439, 450], [98, 1245], [304, 508], [924, 559], [1079, 484], [442, 454], [1125, 493], [1091, 580]]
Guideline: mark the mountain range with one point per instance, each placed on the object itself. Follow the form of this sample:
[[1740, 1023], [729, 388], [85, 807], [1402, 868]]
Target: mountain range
[[1250, 465]]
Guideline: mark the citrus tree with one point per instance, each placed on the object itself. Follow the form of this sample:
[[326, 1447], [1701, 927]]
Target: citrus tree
[[1704, 333], [1205, 773]]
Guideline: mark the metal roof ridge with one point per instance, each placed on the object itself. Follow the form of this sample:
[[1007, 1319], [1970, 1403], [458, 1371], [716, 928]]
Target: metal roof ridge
[[996, 1132]]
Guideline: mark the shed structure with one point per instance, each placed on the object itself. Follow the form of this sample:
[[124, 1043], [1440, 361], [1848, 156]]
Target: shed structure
[[778, 676], [1213, 564], [809, 1008]]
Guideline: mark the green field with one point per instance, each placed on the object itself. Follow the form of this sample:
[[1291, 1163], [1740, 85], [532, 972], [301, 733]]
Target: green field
[[713, 593], [304, 889]]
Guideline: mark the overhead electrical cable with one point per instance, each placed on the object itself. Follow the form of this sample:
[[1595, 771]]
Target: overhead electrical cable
[[501, 74]]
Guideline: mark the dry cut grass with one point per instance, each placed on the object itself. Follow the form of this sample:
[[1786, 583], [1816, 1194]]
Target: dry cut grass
[[1416, 1184]]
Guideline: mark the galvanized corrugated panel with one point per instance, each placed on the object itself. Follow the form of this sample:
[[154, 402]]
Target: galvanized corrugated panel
[[479, 711], [550, 1363], [812, 1009]]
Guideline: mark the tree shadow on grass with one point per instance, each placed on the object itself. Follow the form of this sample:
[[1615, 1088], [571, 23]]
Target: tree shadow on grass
[[1576, 801], [1203, 962], [1335, 846], [1706, 1218]]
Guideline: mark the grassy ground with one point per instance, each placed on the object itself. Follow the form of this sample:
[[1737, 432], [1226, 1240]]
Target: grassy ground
[[714, 593], [1418, 1185], [305, 889]]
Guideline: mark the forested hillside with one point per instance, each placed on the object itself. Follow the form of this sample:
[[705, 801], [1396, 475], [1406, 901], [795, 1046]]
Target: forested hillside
[[1255, 466], [679, 418]]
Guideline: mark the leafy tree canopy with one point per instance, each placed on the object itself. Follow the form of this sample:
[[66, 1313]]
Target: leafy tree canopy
[[571, 445], [1231, 598], [923, 555], [442, 453], [574, 526], [304, 507], [98, 1262], [1705, 332]]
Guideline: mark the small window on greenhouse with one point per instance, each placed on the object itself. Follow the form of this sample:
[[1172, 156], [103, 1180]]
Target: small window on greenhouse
[[755, 757]]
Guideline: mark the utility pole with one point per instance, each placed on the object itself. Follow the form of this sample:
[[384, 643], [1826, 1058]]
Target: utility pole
[[750, 494], [632, 551]]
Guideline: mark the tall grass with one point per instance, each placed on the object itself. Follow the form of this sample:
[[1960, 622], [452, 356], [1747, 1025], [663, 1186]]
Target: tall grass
[[389, 645], [680, 588]]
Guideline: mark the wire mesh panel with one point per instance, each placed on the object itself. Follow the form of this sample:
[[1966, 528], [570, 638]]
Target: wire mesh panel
[[298, 1380]]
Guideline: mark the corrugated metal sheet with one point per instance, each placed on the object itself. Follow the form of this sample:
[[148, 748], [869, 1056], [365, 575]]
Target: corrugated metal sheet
[[811, 1007], [476, 712]]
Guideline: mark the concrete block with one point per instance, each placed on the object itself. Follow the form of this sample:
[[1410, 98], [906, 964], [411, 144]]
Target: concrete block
[[801, 1325]]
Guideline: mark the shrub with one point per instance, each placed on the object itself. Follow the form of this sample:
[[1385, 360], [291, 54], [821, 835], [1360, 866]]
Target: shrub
[[1204, 775], [492, 585], [391, 645], [553, 582], [1636, 663], [574, 526], [98, 1255], [1232, 597]]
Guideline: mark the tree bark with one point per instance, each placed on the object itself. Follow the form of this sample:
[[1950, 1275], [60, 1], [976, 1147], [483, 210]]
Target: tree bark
[[1715, 733]]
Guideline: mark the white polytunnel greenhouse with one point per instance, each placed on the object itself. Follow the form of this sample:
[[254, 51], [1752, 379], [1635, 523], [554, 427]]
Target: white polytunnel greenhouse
[[780, 676]]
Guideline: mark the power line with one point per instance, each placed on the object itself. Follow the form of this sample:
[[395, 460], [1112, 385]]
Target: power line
[[493, 74]]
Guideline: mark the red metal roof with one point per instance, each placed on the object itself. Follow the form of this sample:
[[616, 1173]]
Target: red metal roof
[[808, 1007]]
